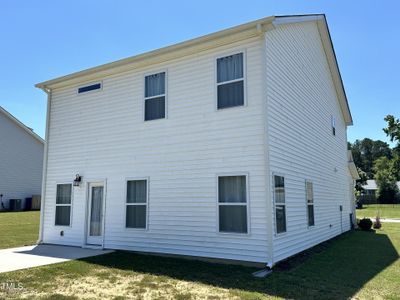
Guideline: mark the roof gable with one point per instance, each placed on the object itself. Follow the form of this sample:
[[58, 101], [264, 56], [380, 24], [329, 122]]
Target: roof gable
[[227, 36], [21, 125]]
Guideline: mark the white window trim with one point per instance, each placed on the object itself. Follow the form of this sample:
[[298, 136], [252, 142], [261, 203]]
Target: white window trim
[[55, 207], [276, 234], [126, 204], [89, 92], [161, 95], [308, 204], [247, 204], [244, 78]]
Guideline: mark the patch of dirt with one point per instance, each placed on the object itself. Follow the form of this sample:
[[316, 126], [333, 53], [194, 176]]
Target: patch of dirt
[[128, 286]]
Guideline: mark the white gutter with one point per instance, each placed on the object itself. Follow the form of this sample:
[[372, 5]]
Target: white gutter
[[44, 172]]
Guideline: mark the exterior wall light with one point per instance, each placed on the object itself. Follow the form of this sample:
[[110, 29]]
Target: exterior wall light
[[77, 180]]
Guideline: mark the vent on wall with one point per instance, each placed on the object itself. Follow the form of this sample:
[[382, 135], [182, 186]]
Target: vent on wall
[[88, 88]]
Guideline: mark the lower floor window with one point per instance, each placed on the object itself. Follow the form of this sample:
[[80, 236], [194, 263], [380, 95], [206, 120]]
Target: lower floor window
[[310, 203], [232, 204], [63, 205], [280, 204], [136, 204]]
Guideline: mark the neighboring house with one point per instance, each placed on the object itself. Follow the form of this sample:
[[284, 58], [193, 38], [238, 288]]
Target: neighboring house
[[232, 145], [370, 191], [369, 194], [21, 160]]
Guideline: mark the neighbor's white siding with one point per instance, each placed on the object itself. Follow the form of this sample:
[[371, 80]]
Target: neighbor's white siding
[[21, 158], [301, 100], [102, 135]]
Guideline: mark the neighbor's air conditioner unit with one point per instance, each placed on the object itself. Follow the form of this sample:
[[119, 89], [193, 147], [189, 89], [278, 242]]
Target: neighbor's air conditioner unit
[[15, 204]]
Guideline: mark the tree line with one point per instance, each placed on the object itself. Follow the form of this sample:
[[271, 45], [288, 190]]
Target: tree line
[[376, 160]]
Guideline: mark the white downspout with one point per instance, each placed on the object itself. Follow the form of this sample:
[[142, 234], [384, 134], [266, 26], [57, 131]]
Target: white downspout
[[44, 171]]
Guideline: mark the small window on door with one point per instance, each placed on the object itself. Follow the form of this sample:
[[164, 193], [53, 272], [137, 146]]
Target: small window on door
[[230, 81], [63, 205], [136, 204], [155, 97]]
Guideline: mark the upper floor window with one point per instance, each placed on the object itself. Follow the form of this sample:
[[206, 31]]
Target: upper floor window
[[333, 123], [230, 81], [232, 204], [63, 204], [88, 88], [154, 97]]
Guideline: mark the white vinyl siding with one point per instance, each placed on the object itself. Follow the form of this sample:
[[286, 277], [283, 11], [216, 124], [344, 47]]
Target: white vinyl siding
[[301, 98], [103, 136], [284, 129]]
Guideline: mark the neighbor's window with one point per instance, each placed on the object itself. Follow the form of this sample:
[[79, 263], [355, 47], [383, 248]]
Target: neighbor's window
[[88, 88], [154, 101], [333, 123], [232, 204], [230, 81], [310, 203], [63, 204], [136, 204], [280, 205]]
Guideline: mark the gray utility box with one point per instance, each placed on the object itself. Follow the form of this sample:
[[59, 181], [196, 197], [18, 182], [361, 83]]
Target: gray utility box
[[15, 204]]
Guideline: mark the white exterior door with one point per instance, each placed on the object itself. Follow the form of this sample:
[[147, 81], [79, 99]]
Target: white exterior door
[[95, 214]]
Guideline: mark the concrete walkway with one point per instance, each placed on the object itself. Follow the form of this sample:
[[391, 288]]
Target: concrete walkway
[[40, 255], [385, 220], [388, 220]]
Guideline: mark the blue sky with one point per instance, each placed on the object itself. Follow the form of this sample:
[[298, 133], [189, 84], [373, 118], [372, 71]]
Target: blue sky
[[41, 40]]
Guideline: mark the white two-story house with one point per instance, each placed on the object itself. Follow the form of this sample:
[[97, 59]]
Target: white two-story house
[[232, 145]]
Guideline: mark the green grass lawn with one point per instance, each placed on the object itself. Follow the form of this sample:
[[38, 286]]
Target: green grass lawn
[[384, 211], [361, 265], [18, 228]]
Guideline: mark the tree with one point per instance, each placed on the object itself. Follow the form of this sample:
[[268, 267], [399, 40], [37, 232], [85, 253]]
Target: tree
[[395, 166], [366, 151], [359, 183], [362, 181], [393, 129], [386, 180]]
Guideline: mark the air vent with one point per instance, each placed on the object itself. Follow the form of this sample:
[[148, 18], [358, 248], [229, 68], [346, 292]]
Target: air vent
[[88, 88]]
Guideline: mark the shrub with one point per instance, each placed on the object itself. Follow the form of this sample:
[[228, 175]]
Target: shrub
[[377, 223], [365, 224]]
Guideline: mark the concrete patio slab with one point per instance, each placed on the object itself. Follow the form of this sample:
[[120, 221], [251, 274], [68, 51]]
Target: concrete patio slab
[[40, 255]]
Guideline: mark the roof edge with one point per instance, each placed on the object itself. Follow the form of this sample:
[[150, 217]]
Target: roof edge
[[249, 29], [206, 42], [327, 43], [21, 125]]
